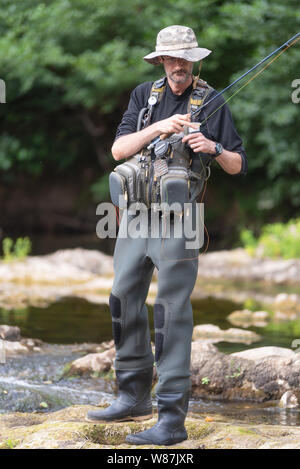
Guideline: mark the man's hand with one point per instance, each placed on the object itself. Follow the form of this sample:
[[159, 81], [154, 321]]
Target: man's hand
[[198, 143], [174, 124]]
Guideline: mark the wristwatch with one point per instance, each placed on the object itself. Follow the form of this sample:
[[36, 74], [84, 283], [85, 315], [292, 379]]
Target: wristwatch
[[219, 149]]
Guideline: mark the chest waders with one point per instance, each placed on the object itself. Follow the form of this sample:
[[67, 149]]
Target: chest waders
[[134, 261]]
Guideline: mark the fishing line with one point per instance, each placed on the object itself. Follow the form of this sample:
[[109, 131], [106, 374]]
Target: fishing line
[[245, 84], [286, 46]]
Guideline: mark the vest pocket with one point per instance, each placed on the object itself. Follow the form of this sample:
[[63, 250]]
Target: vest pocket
[[174, 188], [118, 190], [125, 181]]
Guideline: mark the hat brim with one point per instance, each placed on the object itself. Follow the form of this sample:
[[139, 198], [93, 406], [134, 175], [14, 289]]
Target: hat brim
[[192, 55]]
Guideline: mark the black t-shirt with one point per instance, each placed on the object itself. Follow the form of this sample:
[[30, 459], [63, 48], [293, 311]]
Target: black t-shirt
[[219, 127]]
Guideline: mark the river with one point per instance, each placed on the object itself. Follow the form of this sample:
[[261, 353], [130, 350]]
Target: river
[[36, 382]]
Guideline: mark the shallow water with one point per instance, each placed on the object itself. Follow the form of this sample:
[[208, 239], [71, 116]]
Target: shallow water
[[268, 413], [74, 320], [26, 382]]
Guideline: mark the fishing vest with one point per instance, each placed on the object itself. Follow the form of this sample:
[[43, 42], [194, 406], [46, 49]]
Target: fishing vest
[[162, 176]]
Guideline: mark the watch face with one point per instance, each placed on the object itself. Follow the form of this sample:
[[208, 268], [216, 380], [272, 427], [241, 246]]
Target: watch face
[[219, 149]]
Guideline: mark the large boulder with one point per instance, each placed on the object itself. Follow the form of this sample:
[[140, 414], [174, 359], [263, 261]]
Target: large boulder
[[259, 375], [260, 353], [247, 318], [238, 264], [11, 343], [10, 333], [66, 265], [88, 260], [212, 333], [286, 306], [67, 429], [11, 349], [93, 363]]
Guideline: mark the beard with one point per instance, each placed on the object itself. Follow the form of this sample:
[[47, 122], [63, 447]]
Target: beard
[[179, 76]]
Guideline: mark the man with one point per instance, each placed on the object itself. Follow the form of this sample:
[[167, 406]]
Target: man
[[134, 259]]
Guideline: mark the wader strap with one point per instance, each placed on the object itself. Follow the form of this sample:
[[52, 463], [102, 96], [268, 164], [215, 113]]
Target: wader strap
[[156, 94], [200, 91]]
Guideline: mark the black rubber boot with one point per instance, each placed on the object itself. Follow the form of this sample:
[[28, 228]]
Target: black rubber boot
[[133, 401], [169, 430]]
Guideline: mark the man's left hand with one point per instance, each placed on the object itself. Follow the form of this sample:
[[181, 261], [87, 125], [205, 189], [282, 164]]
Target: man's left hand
[[198, 143]]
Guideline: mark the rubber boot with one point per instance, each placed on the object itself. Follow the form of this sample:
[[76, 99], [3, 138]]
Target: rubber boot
[[133, 401], [169, 430]]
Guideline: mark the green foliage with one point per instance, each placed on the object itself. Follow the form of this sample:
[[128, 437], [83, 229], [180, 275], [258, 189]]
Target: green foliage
[[236, 372], [8, 444], [44, 405], [276, 240], [205, 380], [7, 245], [249, 241], [251, 304], [69, 67], [19, 250], [281, 329]]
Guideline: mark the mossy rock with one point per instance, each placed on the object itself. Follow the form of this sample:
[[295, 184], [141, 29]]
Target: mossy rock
[[197, 430], [68, 429]]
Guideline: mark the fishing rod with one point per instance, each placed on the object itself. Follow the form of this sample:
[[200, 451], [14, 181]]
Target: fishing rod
[[287, 44]]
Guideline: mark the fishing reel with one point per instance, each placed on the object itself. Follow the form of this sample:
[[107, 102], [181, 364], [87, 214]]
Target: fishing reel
[[162, 149]]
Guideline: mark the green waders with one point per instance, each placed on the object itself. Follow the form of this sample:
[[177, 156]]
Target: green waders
[[134, 262], [160, 245]]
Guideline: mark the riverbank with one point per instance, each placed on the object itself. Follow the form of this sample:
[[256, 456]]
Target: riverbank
[[63, 298], [88, 274]]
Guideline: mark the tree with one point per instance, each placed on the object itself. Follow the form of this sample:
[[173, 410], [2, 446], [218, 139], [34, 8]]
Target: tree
[[70, 65]]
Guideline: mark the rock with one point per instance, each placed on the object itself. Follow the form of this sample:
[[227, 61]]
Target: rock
[[261, 315], [41, 280], [13, 348], [32, 344], [20, 295], [289, 400], [286, 301], [238, 264], [67, 429], [285, 316], [210, 331], [105, 346], [247, 318], [89, 260], [263, 352], [287, 306], [266, 374], [10, 333], [93, 363], [68, 265]]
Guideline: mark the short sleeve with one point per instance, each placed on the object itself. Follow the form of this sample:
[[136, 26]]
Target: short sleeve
[[138, 100]]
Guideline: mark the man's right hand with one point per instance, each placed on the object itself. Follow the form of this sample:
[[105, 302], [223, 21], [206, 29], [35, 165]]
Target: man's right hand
[[130, 144], [174, 124]]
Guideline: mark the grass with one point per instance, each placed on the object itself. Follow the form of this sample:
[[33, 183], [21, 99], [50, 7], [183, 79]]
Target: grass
[[15, 251]]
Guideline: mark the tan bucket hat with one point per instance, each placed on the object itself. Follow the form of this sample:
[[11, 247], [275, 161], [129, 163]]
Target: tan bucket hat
[[177, 41]]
